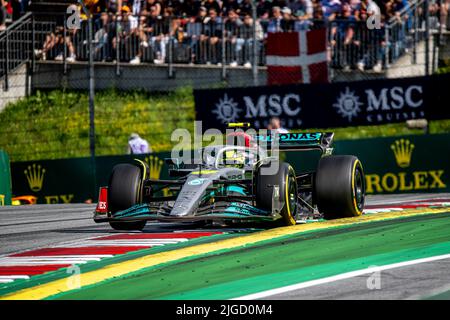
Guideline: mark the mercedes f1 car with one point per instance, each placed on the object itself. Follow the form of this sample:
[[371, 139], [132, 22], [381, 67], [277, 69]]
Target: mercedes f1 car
[[234, 183]]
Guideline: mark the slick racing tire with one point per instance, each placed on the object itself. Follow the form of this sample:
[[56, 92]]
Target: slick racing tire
[[286, 180], [339, 187], [124, 191]]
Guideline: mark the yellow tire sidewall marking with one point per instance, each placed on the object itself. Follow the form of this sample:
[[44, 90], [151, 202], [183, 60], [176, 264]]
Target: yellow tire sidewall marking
[[358, 212], [290, 218]]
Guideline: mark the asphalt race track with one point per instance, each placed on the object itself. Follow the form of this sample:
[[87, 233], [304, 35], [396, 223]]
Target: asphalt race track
[[31, 227], [27, 228]]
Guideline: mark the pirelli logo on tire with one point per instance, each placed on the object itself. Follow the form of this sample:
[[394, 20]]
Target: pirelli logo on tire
[[406, 179]]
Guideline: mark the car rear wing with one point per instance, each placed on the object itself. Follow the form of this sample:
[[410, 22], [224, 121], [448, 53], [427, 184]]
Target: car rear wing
[[297, 141]]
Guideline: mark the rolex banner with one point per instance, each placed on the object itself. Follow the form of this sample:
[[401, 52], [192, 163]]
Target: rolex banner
[[332, 105], [71, 180], [5, 180], [406, 164]]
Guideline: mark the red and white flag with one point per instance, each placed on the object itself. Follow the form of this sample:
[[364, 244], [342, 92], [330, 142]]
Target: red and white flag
[[297, 57]]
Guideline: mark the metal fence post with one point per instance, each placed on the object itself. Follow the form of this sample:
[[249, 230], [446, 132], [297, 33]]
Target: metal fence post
[[427, 38], [170, 58], [33, 36], [224, 48], [91, 105], [435, 41], [416, 35], [255, 46], [27, 79], [388, 44], [6, 59], [117, 47], [65, 46]]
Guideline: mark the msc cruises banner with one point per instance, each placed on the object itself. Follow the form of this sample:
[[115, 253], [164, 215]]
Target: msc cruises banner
[[333, 105]]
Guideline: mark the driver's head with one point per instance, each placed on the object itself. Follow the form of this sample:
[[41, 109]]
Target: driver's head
[[235, 157]]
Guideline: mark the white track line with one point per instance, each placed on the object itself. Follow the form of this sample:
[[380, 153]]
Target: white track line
[[56, 257], [347, 275], [377, 210], [106, 243], [40, 263], [14, 277], [170, 240]]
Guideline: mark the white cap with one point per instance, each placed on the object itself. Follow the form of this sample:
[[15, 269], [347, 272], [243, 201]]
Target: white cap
[[286, 10], [133, 136]]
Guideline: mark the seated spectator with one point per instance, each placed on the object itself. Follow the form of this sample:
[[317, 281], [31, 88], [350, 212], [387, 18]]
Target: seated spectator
[[287, 24], [247, 35], [276, 22], [212, 5], [232, 32], [245, 7], [54, 44], [303, 13], [331, 8], [157, 30], [156, 5], [2, 15], [346, 33], [113, 6], [212, 32], [263, 8], [137, 7], [193, 34], [229, 5], [103, 36]]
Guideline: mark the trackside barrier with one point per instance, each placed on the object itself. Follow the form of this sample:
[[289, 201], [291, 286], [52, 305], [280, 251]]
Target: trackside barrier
[[403, 164], [5, 179]]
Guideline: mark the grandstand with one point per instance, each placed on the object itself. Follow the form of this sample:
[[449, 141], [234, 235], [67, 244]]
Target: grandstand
[[208, 43], [217, 33]]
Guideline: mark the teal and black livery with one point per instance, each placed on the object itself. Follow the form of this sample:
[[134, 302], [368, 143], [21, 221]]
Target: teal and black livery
[[237, 184], [296, 141]]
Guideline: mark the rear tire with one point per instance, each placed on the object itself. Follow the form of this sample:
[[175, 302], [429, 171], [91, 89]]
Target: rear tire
[[339, 187], [286, 180], [124, 191]]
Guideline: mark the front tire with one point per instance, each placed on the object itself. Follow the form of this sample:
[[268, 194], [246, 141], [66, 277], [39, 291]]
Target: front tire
[[124, 191], [339, 187], [286, 180]]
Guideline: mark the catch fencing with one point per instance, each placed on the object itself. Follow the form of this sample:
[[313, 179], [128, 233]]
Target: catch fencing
[[388, 49]]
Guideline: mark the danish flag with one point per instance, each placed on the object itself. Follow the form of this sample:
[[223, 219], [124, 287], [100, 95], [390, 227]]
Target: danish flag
[[297, 57]]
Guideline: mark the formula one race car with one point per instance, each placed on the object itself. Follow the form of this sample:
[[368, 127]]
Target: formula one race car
[[237, 183]]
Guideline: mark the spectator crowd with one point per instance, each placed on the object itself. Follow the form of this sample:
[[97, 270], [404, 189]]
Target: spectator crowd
[[206, 31]]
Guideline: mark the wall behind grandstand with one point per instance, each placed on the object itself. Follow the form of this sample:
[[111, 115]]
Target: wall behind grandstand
[[405, 164]]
